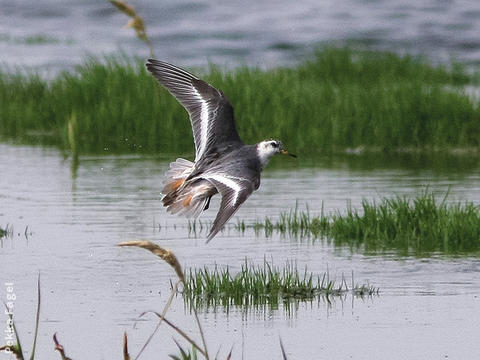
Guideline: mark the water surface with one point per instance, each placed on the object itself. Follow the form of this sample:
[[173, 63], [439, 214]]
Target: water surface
[[92, 290], [52, 35]]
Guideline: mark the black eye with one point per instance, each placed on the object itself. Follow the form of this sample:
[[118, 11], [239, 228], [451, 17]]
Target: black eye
[[274, 144]]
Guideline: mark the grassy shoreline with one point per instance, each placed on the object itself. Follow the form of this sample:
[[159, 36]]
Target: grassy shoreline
[[340, 99], [421, 226]]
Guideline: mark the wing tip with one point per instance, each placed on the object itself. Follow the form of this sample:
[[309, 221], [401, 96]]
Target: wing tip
[[211, 235], [158, 67], [152, 62]]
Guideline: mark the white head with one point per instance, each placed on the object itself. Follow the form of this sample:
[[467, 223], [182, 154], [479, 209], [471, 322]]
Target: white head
[[267, 148]]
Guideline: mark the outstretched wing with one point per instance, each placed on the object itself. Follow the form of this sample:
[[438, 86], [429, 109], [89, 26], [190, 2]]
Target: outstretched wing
[[234, 191], [211, 114]]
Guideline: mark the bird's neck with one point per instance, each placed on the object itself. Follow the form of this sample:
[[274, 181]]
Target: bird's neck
[[263, 155]]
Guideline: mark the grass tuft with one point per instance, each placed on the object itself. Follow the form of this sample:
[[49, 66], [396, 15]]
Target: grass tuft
[[339, 99], [420, 225], [262, 285]]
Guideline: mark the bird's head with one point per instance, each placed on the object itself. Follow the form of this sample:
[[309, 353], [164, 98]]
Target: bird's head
[[267, 148]]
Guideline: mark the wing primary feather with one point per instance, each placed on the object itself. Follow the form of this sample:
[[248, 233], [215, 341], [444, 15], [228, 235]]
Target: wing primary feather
[[169, 67], [211, 114]]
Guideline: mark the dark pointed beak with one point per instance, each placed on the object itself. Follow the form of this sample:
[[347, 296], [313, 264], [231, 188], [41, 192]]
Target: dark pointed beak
[[285, 152]]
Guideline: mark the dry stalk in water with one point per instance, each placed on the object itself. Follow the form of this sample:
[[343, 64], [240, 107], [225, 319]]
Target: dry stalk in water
[[124, 7], [165, 309], [136, 22], [166, 255], [172, 260], [182, 333]]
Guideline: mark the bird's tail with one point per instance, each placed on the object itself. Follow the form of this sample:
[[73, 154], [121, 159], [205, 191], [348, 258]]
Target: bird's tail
[[191, 200], [183, 198], [176, 175]]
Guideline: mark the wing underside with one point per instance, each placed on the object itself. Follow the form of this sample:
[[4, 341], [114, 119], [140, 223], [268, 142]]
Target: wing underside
[[211, 114], [234, 192]]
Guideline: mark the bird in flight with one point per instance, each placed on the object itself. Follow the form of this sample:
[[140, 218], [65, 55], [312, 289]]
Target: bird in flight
[[223, 163]]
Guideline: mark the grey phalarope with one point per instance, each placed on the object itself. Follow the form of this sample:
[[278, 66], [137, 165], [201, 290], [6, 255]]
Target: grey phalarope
[[223, 163]]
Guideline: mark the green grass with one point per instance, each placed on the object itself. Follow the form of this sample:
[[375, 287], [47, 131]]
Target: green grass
[[422, 225], [263, 285], [339, 99], [7, 231]]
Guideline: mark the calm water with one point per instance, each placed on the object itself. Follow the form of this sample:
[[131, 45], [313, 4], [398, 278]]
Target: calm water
[[92, 291], [53, 35]]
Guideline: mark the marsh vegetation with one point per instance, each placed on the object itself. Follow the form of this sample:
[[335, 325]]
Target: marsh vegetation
[[339, 99], [265, 285], [421, 225]]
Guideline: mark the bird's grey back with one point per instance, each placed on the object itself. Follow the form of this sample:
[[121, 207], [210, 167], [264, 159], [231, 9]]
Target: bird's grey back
[[241, 162]]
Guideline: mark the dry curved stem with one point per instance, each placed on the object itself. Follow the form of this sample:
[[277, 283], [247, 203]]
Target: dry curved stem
[[166, 255], [165, 309], [201, 333], [136, 22], [124, 7], [180, 332], [170, 258]]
